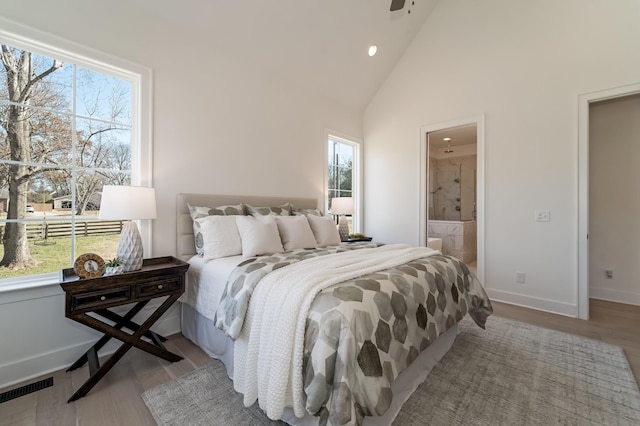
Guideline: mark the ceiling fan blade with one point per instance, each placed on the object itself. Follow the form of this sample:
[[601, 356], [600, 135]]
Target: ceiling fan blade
[[397, 5]]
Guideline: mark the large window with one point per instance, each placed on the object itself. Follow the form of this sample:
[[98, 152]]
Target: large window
[[68, 126], [343, 175]]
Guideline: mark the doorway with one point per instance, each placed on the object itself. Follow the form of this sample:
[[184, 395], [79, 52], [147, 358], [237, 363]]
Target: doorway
[[452, 188], [584, 157]]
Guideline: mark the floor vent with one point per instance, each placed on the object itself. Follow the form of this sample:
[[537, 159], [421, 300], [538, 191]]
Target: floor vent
[[24, 390]]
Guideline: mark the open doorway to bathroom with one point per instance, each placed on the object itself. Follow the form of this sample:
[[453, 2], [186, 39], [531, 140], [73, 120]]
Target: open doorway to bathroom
[[452, 192], [451, 181]]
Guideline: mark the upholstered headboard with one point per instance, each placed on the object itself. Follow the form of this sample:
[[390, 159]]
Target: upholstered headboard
[[185, 241]]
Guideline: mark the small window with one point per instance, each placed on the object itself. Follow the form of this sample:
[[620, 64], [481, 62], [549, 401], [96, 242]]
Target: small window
[[343, 175]]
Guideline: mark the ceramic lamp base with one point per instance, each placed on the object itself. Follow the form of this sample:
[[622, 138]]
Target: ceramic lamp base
[[343, 228], [130, 247]]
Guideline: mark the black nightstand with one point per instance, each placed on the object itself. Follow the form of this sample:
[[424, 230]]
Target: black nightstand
[[159, 277], [353, 240]]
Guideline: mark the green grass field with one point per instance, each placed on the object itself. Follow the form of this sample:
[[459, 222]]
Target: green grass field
[[55, 254]]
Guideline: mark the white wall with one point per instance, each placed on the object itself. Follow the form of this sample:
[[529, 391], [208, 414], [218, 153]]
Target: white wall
[[220, 126], [522, 64], [614, 202]]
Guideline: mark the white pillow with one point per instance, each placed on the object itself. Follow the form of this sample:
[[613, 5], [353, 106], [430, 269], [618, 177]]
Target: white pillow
[[220, 236], [259, 235], [324, 230], [197, 212], [295, 232]]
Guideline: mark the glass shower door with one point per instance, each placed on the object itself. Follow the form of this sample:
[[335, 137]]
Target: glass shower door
[[467, 192]]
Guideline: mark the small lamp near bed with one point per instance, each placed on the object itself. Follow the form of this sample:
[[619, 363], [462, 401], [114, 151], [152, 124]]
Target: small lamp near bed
[[342, 206], [128, 203]]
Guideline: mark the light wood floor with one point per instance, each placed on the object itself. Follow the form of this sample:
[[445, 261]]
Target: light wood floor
[[116, 399], [613, 323]]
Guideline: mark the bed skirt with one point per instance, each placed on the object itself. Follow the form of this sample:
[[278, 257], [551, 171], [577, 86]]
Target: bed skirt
[[201, 331]]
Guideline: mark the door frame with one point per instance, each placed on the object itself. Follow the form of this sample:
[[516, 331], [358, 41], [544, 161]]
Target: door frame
[[480, 178], [584, 101]]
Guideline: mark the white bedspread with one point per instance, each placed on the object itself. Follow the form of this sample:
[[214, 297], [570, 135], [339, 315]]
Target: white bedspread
[[268, 353], [205, 283]]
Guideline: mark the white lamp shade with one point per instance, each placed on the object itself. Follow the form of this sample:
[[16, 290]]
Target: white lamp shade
[[342, 205], [127, 203]]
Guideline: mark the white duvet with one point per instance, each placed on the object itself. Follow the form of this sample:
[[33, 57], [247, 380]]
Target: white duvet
[[206, 281], [268, 352]]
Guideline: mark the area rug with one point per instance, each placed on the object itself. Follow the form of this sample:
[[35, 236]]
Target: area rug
[[511, 373]]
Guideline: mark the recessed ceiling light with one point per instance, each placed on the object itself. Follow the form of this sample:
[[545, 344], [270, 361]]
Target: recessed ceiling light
[[446, 139], [373, 49]]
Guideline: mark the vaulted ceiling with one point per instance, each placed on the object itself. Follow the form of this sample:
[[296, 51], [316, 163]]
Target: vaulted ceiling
[[318, 44]]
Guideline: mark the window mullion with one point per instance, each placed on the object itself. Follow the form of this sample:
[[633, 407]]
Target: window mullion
[[74, 160]]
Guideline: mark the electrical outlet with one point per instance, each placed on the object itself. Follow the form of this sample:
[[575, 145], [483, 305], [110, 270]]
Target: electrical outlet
[[609, 273], [543, 215], [520, 277]]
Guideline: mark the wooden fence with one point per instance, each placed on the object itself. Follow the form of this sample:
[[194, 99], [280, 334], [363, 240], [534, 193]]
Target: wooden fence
[[64, 229]]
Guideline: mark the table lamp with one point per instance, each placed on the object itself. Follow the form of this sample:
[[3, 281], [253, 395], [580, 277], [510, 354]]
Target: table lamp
[[342, 206], [128, 203]]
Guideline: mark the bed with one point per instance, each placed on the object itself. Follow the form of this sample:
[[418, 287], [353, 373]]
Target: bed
[[345, 348]]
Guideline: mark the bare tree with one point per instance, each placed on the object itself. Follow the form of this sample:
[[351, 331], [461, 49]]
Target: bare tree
[[340, 178], [98, 149], [21, 81], [118, 159], [95, 153]]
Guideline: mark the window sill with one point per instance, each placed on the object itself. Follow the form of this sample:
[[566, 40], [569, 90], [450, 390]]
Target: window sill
[[36, 287]]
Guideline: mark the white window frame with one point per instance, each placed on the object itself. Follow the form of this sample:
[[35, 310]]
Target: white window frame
[[356, 179], [36, 41]]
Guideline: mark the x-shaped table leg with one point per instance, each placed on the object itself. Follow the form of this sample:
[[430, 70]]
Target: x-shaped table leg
[[98, 371]]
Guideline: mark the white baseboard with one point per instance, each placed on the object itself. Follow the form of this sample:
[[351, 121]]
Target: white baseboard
[[545, 305], [34, 366], [627, 297]]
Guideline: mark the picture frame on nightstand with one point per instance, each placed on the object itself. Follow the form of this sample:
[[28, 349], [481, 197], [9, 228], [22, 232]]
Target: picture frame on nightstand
[[88, 265]]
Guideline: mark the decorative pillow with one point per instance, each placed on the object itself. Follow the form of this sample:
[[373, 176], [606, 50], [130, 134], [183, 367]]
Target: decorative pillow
[[220, 236], [199, 212], [282, 210], [259, 235], [307, 212], [295, 232], [324, 230]]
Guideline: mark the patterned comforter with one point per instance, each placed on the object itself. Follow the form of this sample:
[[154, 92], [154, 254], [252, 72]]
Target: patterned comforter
[[362, 333]]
